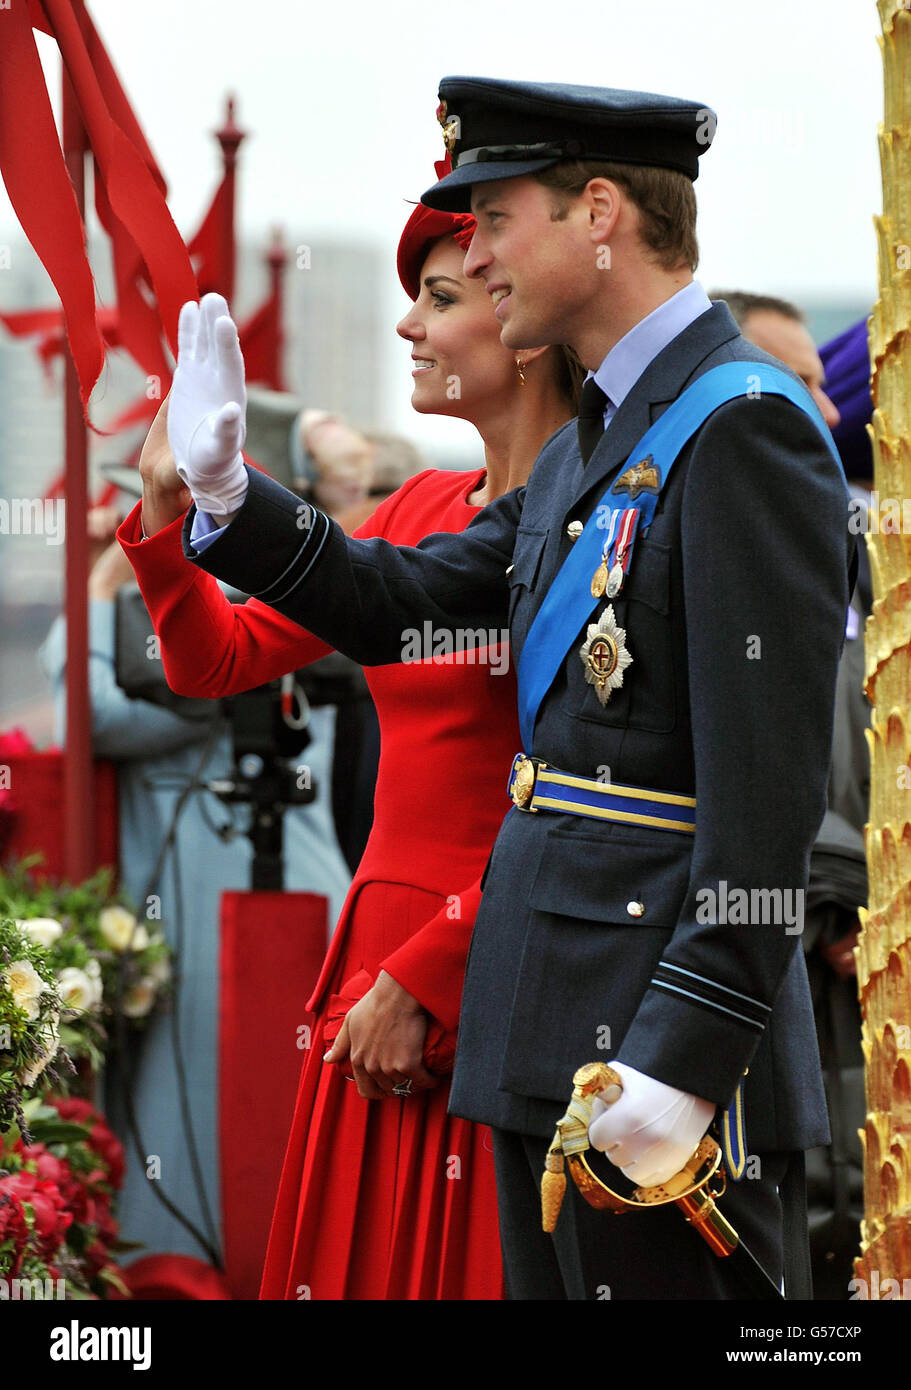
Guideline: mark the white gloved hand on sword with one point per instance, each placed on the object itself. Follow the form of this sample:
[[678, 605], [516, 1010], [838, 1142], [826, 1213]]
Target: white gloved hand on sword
[[207, 407], [650, 1131]]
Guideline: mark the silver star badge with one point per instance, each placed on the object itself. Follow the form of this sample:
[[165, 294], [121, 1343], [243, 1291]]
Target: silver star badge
[[604, 655]]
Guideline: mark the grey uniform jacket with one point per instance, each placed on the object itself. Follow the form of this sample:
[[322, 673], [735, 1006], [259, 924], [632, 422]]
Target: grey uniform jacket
[[734, 610]]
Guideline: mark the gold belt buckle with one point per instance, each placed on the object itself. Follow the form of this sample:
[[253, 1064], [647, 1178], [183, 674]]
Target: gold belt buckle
[[523, 783]]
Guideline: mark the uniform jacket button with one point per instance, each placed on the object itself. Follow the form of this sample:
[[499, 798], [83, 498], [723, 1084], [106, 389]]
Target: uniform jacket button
[[635, 909], [574, 530]]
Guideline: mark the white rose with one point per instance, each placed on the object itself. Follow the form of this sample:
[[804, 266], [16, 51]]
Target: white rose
[[77, 989], [44, 931], [120, 929], [25, 985], [140, 998], [160, 971], [50, 1039]]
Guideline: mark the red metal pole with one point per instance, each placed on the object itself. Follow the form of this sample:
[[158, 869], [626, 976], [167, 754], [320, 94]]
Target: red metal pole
[[78, 773], [277, 259], [229, 137]]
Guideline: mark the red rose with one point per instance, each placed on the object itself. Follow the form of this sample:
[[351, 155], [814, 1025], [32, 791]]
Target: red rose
[[50, 1168], [101, 1140], [15, 741], [74, 1109], [52, 1220], [59, 1172], [110, 1151], [12, 1227]]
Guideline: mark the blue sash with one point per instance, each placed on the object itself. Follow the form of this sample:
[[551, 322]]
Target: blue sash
[[569, 603]]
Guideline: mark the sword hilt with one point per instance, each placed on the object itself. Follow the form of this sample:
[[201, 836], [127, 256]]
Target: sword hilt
[[571, 1141]]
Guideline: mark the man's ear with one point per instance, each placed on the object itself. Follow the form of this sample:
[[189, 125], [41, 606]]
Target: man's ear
[[603, 201]]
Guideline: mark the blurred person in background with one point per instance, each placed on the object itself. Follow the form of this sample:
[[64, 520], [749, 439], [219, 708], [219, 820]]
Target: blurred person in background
[[383, 1194], [347, 472], [332, 461], [393, 460], [159, 751], [838, 869]]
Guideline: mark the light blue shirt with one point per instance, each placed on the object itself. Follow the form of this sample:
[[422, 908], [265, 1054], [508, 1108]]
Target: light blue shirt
[[205, 530], [628, 359]]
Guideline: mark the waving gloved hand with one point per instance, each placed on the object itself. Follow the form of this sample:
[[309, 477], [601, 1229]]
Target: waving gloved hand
[[207, 407], [650, 1131]]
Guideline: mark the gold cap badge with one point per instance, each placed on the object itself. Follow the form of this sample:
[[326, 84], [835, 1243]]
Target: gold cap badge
[[452, 128]]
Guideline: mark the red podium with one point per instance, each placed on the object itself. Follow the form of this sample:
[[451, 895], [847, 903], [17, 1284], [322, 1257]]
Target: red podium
[[272, 947], [35, 812]]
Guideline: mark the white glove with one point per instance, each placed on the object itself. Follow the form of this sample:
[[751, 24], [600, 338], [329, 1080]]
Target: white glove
[[207, 407], [650, 1132]]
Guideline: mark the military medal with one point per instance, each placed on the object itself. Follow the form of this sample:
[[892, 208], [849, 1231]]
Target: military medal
[[604, 655], [609, 576], [600, 576]]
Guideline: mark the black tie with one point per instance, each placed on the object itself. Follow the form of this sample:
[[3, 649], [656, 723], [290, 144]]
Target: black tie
[[591, 418]]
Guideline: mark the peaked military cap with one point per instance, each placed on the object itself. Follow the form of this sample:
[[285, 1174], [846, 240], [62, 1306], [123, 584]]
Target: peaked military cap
[[497, 129]]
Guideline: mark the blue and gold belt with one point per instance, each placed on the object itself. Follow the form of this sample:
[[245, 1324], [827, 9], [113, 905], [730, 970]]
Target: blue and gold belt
[[534, 786]]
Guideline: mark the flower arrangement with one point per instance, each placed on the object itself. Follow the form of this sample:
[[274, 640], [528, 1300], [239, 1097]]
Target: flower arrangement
[[30, 1010], [104, 960], [57, 1228], [73, 960]]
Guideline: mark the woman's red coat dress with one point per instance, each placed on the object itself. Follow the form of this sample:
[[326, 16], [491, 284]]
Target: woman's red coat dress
[[389, 1199]]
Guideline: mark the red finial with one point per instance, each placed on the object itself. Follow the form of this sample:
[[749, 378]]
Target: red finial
[[230, 135], [277, 255]]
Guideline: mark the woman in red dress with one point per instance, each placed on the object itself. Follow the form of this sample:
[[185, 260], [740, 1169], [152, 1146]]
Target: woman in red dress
[[391, 1200]]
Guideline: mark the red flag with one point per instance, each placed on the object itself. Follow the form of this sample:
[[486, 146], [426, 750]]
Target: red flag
[[139, 329], [261, 344], [45, 205], [131, 190], [210, 255]]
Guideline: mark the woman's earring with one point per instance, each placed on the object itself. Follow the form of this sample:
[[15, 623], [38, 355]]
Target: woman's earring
[[519, 366]]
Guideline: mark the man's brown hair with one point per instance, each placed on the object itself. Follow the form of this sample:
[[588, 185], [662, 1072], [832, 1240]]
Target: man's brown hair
[[664, 199], [741, 304]]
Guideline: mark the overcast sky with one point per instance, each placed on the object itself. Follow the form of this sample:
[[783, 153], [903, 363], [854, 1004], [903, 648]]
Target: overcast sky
[[339, 97]]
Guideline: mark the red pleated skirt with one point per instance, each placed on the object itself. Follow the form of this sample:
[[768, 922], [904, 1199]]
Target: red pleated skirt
[[389, 1199]]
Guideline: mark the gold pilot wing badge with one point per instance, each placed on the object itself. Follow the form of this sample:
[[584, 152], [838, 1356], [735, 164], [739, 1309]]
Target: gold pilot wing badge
[[644, 476], [604, 655]]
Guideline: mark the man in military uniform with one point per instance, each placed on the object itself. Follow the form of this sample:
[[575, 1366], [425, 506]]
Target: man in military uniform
[[676, 688]]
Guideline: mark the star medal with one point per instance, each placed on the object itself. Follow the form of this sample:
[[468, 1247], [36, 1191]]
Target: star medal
[[604, 655]]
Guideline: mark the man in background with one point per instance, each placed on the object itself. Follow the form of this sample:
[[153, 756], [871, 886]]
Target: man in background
[[838, 874]]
